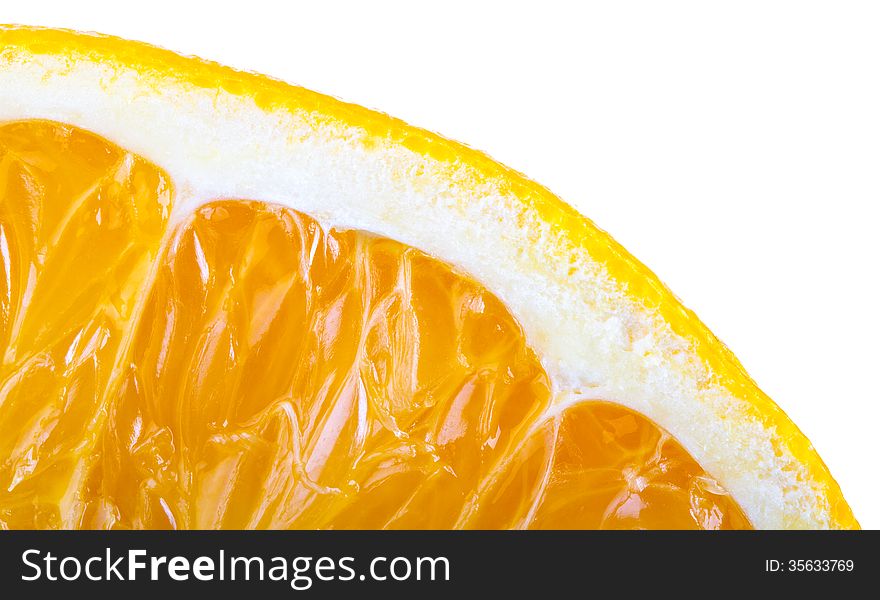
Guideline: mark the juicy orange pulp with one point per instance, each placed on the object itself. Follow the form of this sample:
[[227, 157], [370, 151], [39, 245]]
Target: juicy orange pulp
[[244, 367]]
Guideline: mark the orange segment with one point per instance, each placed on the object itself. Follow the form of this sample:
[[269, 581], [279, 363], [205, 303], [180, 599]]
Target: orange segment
[[265, 372], [601, 466], [80, 227], [284, 376]]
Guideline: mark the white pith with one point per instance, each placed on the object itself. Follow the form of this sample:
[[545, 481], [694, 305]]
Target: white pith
[[593, 339]]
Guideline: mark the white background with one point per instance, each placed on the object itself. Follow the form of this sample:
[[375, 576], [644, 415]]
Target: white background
[[734, 147]]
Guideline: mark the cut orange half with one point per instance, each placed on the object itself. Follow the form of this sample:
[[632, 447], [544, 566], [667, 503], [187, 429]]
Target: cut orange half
[[230, 302]]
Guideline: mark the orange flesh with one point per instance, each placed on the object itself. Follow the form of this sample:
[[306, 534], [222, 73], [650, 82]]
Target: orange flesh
[[244, 367]]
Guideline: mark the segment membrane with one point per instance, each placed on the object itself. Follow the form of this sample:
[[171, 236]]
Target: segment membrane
[[261, 371]]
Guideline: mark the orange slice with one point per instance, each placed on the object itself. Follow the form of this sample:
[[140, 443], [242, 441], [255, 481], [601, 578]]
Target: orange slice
[[230, 302]]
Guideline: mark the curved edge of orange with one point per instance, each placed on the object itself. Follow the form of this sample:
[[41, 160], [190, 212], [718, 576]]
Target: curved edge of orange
[[640, 283]]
